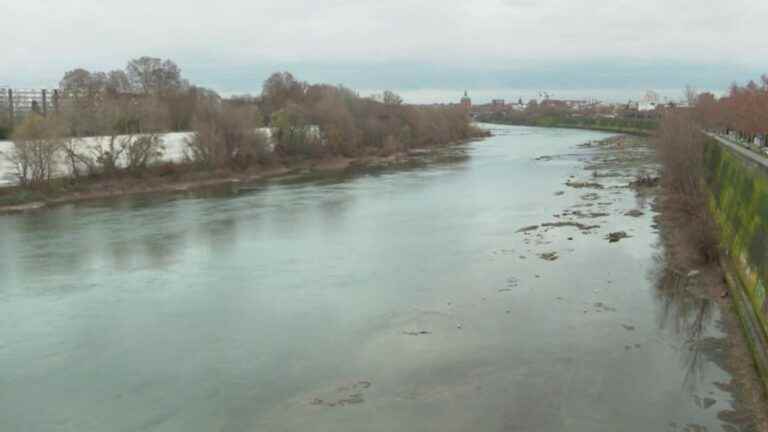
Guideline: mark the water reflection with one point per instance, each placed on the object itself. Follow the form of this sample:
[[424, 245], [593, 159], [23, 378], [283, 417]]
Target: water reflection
[[688, 314], [220, 234]]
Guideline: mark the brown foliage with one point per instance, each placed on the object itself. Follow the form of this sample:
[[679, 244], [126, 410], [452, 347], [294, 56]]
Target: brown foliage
[[680, 147], [37, 144], [226, 136], [744, 109], [353, 125]]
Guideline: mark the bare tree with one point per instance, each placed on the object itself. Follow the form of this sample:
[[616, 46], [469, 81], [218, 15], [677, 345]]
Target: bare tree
[[150, 75], [294, 136], [131, 137], [36, 147], [280, 89], [117, 82], [391, 98], [680, 146], [226, 135], [79, 83], [691, 95]]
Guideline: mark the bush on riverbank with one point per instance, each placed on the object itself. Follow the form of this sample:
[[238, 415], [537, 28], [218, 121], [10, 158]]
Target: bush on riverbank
[[225, 137], [319, 121], [351, 125], [37, 143], [680, 148]]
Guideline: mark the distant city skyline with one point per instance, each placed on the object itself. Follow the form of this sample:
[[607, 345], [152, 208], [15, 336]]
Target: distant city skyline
[[484, 96]]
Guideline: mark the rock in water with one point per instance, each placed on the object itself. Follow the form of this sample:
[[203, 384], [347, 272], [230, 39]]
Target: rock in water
[[616, 236], [549, 256]]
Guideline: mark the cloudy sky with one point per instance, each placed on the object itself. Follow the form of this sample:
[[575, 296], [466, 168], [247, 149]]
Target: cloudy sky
[[427, 49]]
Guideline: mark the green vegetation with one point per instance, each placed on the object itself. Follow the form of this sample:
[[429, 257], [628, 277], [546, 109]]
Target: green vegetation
[[558, 114], [642, 127], [739, 200]]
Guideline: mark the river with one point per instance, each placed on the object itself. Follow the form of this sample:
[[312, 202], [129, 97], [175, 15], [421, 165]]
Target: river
[[400, 300]]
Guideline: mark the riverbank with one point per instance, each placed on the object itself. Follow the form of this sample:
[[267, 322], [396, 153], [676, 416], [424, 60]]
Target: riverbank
[[713, 281], [178, 177], [693, 292], [737, 198], [687, 274], [636, 131]]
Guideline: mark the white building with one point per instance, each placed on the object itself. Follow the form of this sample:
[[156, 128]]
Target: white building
[[649, 101]]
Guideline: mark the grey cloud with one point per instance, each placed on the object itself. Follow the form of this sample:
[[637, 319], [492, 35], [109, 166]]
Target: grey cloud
[[231, 43]]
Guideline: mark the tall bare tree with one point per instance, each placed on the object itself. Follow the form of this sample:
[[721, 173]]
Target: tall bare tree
[[391, 98], [117, 82], [150, 75], [226, 135], [280, 89]]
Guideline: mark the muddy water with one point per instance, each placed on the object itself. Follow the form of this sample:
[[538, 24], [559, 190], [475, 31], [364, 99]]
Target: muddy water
[[402, 300]]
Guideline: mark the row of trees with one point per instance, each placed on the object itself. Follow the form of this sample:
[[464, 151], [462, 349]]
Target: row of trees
[[559, 114], [130, 110], [304, 120], [352, 125], [743, 109], [146, 81]]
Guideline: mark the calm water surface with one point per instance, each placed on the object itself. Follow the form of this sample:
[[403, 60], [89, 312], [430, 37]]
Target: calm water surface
[[397, 301]]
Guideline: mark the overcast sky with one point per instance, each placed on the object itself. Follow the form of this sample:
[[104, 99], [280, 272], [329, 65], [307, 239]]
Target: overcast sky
[[412, 46]]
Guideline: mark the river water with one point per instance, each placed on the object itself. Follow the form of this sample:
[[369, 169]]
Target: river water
[[400, 300]]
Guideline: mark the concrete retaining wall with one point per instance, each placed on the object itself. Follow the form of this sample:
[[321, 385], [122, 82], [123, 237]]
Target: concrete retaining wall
[[738, 184]]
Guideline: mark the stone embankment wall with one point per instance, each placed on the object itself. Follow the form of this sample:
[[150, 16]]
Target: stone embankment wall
[[739, 200]]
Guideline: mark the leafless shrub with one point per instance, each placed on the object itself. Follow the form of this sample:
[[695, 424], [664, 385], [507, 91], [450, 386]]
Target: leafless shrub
[[131, 135], [36, 148], [226, 136], [76, 157]]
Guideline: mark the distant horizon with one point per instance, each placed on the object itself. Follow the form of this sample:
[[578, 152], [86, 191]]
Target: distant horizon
[[409, 47], [510, 95], [613, 82], [479, 96]]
